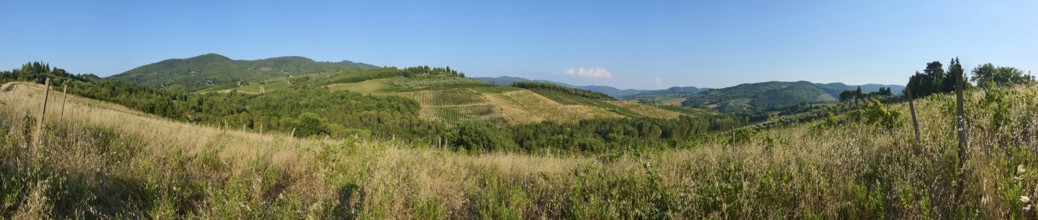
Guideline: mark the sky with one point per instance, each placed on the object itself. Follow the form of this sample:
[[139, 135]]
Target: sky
[[625, 44]]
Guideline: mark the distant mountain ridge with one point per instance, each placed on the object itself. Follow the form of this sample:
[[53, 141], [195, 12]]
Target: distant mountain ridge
[[743, 97], [831, 88], [206, 70], [772, 95]]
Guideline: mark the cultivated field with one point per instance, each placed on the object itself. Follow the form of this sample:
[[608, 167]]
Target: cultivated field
[[458, 100]]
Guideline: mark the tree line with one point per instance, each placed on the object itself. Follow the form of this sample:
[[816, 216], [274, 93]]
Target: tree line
[[563, 89], [352, 76], [591, 135], [935, 79], [857, 95]]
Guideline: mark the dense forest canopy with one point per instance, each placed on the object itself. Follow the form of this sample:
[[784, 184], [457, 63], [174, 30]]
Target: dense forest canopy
[[563, 89], [987, 75], [935, 79], [760, 98], [207, 70]]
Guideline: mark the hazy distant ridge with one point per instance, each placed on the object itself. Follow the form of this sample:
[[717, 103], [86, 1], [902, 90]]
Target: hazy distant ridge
[[832, 89]]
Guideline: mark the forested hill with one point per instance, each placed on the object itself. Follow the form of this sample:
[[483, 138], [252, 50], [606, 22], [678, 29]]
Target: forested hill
[[771, 95], [203, 71], [833, 89]]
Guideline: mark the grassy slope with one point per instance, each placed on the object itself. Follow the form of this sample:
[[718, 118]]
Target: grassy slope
[[111, 161]]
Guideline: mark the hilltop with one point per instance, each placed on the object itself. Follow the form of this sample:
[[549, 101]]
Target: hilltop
[[208, 70]]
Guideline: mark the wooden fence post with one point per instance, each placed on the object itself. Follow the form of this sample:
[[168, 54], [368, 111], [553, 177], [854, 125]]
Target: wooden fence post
[[64, 97], [43, 114], [961, 118], [960, 126], [733, 136], [911, 107]]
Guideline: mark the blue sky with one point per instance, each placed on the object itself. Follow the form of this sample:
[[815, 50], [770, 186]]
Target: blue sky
[[627, 44]]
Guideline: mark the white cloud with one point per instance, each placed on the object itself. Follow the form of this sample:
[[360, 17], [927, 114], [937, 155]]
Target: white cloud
[[590, 72], [659, 83]]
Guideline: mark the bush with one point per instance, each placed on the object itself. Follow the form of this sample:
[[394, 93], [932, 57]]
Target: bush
[[309, 124], [481, 136], [876, 113]]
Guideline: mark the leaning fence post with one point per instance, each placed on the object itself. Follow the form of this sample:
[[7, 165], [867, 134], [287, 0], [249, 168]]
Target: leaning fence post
[[911, 107], [43, 114], [64, 97]]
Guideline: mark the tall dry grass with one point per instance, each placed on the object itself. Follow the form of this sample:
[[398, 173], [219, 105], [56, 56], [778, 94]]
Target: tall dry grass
[[108, 161]]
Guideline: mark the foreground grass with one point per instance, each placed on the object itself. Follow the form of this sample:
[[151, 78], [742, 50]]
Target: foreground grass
[[110, 162]]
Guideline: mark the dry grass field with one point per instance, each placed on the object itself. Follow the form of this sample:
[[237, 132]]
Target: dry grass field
[[106, 161]]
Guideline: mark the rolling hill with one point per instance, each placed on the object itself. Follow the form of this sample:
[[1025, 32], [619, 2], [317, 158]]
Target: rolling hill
[[755, 96], [208, 70], [455, 99], [772, 95], [740, 98], [608, 90], [486, 99]]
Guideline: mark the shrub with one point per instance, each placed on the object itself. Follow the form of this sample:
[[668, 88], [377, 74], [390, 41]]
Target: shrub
[[309, 124], [876, 113]]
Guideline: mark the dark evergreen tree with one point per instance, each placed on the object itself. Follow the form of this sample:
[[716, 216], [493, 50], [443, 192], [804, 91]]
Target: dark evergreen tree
[[954, 70]]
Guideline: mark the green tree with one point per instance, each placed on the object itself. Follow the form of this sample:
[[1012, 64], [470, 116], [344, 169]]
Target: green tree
[[954, 70], [987, 75], [481, 136], [846, 95], [885, 91], [310, 124], [935, 70], [934, 79], [858, 95]]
